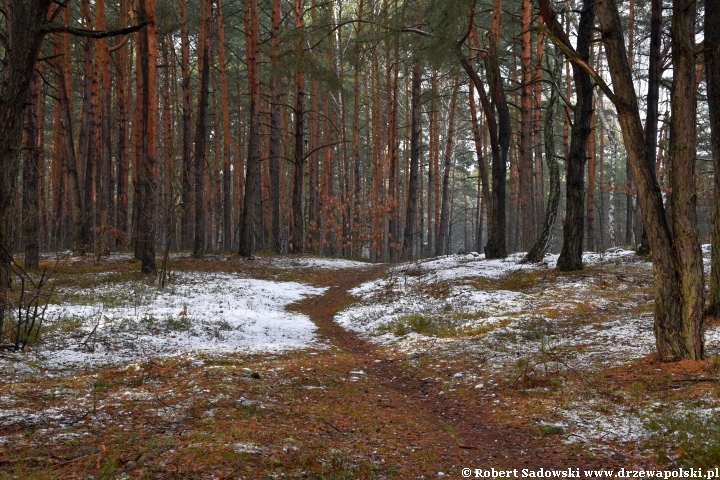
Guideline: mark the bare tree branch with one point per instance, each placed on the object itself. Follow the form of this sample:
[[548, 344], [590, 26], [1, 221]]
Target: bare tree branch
[[53, 27], [573, 56]]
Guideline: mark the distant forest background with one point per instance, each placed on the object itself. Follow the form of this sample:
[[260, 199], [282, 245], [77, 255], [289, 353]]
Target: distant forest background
[[353, 127]]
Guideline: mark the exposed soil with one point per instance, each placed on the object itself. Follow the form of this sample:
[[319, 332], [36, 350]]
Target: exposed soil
[[478, 438]]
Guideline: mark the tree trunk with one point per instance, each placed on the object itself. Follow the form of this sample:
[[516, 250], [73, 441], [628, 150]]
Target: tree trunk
[[629, 211], [391, 76], [146, 150], [252, 182], [495, 248], [537, 130], [653, 96], [61, 47], [88, 129], [296, 226], [76, 199], [275, 132], [482, 165], [201, 130], [683, 198], [542, 243], [106, 193], [357, 179], [712, 64], [226, 170], [574, 226], [412, 194], [499, 131], [23, 38], [433, 167], [442, 242], [678, 331], [31, 178], [525, 158], [592, 173], [186, 209], [123, 159]]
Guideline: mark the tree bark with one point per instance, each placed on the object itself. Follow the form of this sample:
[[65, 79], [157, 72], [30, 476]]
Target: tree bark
[[525, 158], [683, 198], [89, 126], [123, 160], [24, 34], [252, 182], [629, 211], [226, 150], [201, 130], [146, 149], [653, 97], [186, 209], [442, 247], [275, 125], [296, 226], [712, 71], [484, 188], [412, 194], [542, 243], [31, 178], [495, 248], [433, 167], [106, 193], [678, 331], [574, 226]]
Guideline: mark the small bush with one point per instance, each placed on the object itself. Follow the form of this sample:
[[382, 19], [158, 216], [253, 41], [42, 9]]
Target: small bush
[[551, 429]]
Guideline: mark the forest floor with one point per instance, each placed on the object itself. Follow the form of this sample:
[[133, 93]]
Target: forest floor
[[302, 367]]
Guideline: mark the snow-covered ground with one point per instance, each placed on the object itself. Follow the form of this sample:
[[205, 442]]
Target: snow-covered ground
[[289, 262], [555, 314], [576, 322], [117, 323]]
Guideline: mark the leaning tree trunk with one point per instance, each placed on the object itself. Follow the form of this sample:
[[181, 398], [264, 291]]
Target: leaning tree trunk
[[542, 243], [653, 96], [712, 65], [678, 329]]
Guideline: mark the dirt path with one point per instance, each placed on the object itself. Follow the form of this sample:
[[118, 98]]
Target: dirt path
[[459, 431]]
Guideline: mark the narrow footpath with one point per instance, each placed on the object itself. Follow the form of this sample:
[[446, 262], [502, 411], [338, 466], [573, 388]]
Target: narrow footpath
[[456, 432]]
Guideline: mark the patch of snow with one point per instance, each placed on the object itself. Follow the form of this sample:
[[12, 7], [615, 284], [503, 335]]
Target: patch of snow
[[198, 312], [290, 262], [595, 424], [247, 448]]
